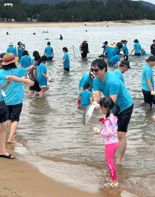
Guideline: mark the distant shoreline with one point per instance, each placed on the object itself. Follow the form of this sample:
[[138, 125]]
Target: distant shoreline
[[74, 24]]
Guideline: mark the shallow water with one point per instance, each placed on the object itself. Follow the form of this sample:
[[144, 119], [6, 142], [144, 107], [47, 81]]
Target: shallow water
[[51, 134]]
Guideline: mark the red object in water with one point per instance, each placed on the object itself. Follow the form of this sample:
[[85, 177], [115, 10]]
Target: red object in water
[[79, 103]]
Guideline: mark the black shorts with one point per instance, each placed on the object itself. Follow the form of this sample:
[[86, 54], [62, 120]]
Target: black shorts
[[35, 87], [66, 69], [137, 54], [3, 112], [124, 119], [148, 98], [49, 58], [14, 112]]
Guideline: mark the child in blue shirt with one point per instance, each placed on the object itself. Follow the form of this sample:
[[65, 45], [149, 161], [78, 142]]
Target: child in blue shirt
[[85, 96], [66, 59]]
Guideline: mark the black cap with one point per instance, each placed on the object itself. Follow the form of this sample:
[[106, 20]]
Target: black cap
[[125, 63], [106, 42]]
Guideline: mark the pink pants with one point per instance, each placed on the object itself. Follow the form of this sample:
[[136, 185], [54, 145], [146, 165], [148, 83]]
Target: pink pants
[[110, 150]]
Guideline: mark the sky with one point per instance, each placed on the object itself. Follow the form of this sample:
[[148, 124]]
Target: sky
[[151, 1]]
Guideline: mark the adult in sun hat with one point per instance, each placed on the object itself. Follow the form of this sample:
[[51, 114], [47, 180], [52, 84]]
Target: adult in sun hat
[[122, 68], [11, 49], [148, 81], [14, 91], [111, 50]]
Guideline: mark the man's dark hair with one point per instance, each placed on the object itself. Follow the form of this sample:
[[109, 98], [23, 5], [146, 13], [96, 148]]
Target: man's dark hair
[[100, 63]]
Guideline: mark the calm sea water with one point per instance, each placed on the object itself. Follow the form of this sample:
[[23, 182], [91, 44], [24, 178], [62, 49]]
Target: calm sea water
[[51, 134]]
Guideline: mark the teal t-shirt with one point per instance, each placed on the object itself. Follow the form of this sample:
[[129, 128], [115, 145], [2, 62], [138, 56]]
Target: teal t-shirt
[[85, 96], [40, 78], [14, 92], [110, 52], [125, 50], [12, 50], [137, 48], [25, 61], [147, 73], [49, 51], [111, 85], [66, 60], [119, 74], [114, 60], [86, 80]]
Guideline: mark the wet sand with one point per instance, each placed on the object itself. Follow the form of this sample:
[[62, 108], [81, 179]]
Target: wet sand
[[75, 24]]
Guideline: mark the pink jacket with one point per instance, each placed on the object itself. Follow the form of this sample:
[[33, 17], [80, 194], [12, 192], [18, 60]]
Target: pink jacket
[[109, 130]]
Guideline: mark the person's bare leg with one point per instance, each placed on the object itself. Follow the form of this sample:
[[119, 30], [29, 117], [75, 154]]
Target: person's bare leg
[[122, 146], [13, 129], [3, 150]]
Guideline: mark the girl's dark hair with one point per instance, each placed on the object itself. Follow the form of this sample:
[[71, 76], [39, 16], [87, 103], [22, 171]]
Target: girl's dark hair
[[150, 59], [42, 59], [9, 66], [65, 49], [100, 63], [36, 55], [108, 103], [48, 43], [25, 52]]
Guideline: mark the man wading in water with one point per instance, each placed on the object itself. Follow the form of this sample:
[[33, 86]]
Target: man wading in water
[[109, 84]]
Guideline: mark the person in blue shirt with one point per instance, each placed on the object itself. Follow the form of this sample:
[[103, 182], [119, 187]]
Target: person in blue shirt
[[66, 59], [107, 83], [14, 91], [87, 78], [105, 45], [42, 77], [20, 49], [25, 60], [125, 48], [114, 60], [122, 68], [137, 48], [111, 50], [49, 52], [148, 81], [11, 49], [85, 96]]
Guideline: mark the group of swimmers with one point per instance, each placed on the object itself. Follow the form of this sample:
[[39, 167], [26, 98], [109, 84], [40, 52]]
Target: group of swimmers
[[116, 105]]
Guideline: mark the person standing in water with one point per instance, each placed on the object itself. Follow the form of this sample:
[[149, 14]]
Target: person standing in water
[[84, 49], [137, 48], [109, 134], [48, 52], [20, 49], [108, 84], [11, 49], [148, 81], [66, 59], [152, 47]]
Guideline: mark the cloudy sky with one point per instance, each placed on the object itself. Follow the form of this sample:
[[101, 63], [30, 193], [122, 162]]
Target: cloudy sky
[[151, 1]]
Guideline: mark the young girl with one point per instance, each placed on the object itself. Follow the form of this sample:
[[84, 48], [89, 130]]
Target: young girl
[[42, 75], [109, 133]]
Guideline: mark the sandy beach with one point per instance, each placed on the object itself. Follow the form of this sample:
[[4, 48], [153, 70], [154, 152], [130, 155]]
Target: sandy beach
[[76, 24]]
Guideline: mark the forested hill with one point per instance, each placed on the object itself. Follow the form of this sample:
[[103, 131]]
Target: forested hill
[[92, 10]]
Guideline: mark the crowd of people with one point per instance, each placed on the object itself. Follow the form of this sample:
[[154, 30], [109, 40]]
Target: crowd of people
[[116, 105]]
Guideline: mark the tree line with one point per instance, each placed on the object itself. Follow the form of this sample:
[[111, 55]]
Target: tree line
[[92, 10]]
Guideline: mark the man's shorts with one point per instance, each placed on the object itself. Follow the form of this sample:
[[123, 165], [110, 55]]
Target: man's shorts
[[124, 119], [3, 112], [148, 98], [14, 112]]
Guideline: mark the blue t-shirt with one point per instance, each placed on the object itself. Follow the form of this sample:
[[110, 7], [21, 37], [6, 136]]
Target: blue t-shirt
[[49, 51], [67, 60], [114, 59], [20, 51], [14, 91], [110, 52], [86, 80], [41, 68], [25, 61], [147, 73], [125, 50], [137, 48], [113, 86], [12, 50], [85, 96], [119, 74]]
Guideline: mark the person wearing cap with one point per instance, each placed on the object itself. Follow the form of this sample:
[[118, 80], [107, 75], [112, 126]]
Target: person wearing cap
[[148, 81], [25, 60], [49, 52], [125, 48], [11, 49], [20, 49], [107, 83], [14, 92], [137, 48], [84, 49], [152, 47], [122, 68], [42, 77]]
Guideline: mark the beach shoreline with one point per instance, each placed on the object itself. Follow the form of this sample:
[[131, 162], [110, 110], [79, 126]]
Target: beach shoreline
[[74, 24]]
